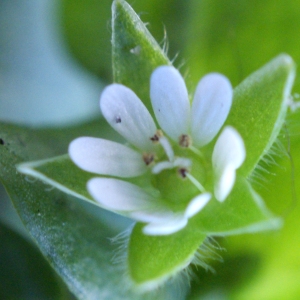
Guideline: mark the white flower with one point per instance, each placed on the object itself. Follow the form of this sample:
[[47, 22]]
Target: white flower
[[152, 151]]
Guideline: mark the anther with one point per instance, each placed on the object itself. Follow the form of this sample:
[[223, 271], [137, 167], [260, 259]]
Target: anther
[[185, 141], [157, 136], [148, 158], [182, 172]]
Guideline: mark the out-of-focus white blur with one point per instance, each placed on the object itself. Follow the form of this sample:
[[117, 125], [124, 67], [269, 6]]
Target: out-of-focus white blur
[[40, 83]]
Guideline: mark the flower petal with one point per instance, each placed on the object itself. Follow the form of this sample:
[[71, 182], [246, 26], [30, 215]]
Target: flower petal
[[106, 157], [228, 155], [115, 194], [169, 226], [210, 108], [170, 101], [156, 215], [224, 183], [125, 112], [196, 204]]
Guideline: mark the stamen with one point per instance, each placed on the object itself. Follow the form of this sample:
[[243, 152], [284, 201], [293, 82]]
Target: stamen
[[182, 172], [167, 147], [148, 158], [196, 151], [196, 183], [157, 136], [162, 166], [182, 162], [185, 141]]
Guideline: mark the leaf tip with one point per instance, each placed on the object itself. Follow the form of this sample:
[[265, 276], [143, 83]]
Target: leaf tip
[[286, 59], [118, 4], [23, 168]]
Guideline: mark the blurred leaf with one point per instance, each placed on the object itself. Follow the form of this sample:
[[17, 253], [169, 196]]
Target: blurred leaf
[[86, 26], [87, 29], [236, 38], [24, 272], [40, 84]]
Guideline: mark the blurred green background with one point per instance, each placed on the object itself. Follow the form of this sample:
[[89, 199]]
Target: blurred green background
[[231, 37]]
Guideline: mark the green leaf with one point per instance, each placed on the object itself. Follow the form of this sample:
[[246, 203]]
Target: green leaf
[[153, 259], [135, 53], [24, 272], [72, 236], [259, 108]]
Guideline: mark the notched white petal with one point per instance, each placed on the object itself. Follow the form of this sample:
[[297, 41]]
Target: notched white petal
[[228, 155], [197, 204], [106, 157], [210, 108], [118, 195], [125, 112], [169, 226], [224, 183], [170, 101]]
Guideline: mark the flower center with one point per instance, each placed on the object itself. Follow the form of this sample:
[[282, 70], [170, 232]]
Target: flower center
[[165, 160]]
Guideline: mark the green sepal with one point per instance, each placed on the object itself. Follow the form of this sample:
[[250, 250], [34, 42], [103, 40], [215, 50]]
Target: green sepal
[[153, 259], [259, 108], [61, 173], [243, 211], [135, 52]]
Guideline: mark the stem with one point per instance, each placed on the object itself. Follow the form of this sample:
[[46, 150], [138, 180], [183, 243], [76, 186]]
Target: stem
[[167, 147], [196, 151]]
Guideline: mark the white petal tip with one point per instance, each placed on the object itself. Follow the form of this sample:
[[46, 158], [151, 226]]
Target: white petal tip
[[228, 155], [197, 204], [106, 157], [167, 227], [126, 113], [225, 184], [170, 101], [117, 195], [211, 106], [232, 146]]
